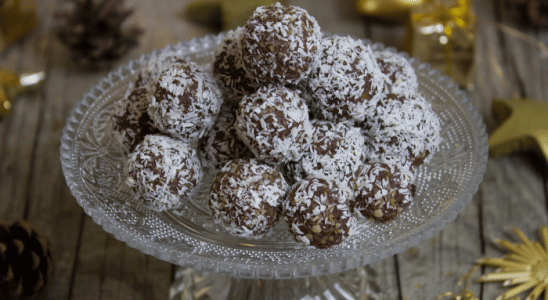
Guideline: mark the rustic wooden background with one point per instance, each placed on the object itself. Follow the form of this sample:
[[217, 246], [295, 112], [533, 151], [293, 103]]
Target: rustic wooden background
[[91, 264]]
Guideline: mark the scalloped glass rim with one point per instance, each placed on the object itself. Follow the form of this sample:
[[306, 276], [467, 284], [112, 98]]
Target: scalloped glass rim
[[240, 265]]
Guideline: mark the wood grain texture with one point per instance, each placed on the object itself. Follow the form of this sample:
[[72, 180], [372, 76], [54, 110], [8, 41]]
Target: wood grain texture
[[92, 264]]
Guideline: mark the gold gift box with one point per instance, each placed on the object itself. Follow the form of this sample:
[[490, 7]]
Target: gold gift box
[[17, 18]]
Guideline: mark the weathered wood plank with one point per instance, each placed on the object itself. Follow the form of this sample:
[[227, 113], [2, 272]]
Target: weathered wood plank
[[18, 130], [513, 196]]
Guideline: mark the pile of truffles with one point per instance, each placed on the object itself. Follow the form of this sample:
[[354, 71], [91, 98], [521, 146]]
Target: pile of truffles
[[316, 131]]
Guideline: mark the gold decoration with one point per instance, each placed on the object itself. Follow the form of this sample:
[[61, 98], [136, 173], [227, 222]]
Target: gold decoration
[[12, 85], [17, 18], [466, 294], [525, 126], [229, 13], [442, 33], [526, 266], [390, 10]]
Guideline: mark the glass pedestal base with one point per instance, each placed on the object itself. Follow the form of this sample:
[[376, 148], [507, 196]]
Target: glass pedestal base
[[190, 284]]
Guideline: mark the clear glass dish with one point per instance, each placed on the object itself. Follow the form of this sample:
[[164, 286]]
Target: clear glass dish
[[92, 163]]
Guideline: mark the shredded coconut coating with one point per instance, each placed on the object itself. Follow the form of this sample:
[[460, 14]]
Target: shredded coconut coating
[[280, 44], [163, 172], [336, 153], [382, 191], [400, 75], [317, 212], [155, 66], [346, 81], [222, 143], [246, 197], [186, 102], [229, 70], [274, 124], [401, 131], [130, 121]]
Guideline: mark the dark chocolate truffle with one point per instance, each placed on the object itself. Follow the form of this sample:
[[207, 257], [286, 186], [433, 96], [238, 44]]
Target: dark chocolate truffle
[[228, 68], [400, 75], [336, 153], [382, 191], [346, 80], [130, 121], [186, 102], [274, 124], [222, 142], [317, 212], [401, 130], [246, 197], [280, 44], [163, 172]]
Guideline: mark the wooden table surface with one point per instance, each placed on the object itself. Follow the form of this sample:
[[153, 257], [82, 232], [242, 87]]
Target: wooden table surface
[[92, 264]]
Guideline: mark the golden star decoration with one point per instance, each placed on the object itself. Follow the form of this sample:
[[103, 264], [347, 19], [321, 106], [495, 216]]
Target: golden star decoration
[[525, 127], [525, 267]]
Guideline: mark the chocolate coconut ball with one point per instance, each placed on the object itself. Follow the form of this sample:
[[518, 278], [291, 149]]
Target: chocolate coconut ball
[[186, 102], [382, 191], [336, 153], [346, 80], [222, 142], [157, 63], [130, 121], [400, 75], [280, 44], [401, 131], [246, 197], [317, 213], [228, 68], [163, 172], [274, 124]]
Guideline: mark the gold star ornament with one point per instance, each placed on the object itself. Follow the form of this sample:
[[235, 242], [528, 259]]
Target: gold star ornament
[[524, 268], [524, 127]]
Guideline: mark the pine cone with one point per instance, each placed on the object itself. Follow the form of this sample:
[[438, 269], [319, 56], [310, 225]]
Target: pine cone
[[93, 31], [531, 13], [26, 263]]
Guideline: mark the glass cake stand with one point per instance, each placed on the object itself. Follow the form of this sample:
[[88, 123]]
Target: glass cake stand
[[217, 265]]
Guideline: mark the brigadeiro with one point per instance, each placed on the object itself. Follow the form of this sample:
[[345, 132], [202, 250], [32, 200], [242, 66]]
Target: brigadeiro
[[185, 102], [163, 172], [317, 212], [401, 130], [274, 124], [246, 196], [130, 120], [336, 152], [228, 68], [382, 191], [222, 143], [400, 75], [280, 44], [345, 81]]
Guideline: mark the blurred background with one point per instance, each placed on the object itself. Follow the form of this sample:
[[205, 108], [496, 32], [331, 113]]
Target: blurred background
[[53, 51]]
